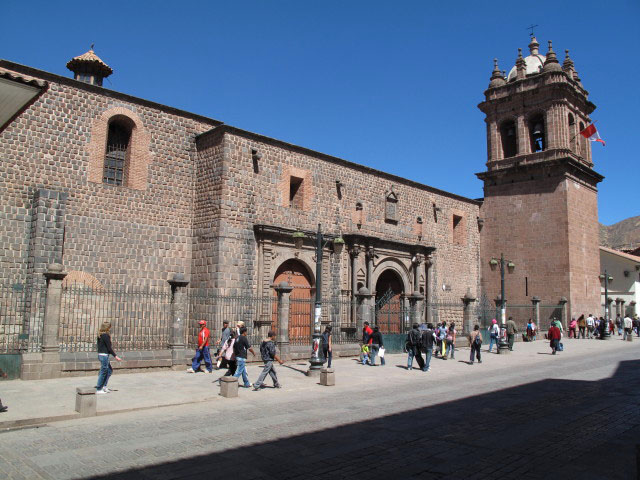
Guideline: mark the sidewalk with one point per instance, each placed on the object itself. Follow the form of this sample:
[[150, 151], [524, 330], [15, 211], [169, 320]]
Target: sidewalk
[[41, 401]]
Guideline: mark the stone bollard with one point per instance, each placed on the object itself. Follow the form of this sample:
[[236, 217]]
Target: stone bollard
[[86, 401], [229, 387], [630, 337], [327, 377]]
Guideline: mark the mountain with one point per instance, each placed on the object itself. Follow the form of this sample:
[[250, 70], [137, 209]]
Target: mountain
[[624, 234]]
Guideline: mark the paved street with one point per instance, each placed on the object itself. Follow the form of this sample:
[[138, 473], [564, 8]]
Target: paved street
[[526, 415]]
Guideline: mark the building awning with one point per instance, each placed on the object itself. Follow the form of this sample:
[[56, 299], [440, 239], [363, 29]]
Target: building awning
[[16, 92]]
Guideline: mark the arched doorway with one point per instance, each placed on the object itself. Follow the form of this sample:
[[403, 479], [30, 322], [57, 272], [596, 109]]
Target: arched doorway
[[390, 311], [296, 274]]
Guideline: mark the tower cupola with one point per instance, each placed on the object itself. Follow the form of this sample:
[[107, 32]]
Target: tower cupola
[[89, 68], [551, 64], [497, 77]]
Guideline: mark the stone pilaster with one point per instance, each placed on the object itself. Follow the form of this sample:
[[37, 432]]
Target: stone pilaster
[[365, 314], [177, 342], [536, 311], [467, 317], [414, 307], [283, 290]]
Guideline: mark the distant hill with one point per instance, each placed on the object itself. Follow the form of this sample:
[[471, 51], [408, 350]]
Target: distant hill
[[624, 234]]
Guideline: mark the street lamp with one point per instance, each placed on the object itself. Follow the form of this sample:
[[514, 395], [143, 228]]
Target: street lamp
[[604, 329], [503, 346], [317, 358]]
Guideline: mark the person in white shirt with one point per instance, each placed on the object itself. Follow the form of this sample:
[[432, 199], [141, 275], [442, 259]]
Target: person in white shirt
[[628, 325], [591, 324]]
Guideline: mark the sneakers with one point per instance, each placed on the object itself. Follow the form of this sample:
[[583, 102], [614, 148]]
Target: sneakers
[[255, 389], [3, 409], [278, 386], [107, 390], [190, 370], [209, 371], [101, 392]]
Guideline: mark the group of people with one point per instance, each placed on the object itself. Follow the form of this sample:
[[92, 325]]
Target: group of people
[[372, 345], [438, 341], [594, 327], [233, 348]]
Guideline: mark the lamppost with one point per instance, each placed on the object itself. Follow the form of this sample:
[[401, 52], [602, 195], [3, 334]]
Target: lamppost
[[503, 346], [604, 329], [317, 358]]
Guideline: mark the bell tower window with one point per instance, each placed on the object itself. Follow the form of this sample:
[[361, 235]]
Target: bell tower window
[[117, 153], [537, 134], [509, 139]]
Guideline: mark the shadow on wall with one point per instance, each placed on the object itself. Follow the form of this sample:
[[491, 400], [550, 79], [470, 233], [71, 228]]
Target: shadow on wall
[[549, 429]]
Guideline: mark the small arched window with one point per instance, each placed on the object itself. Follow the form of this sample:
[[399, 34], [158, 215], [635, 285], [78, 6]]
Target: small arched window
[[509, 139], [537, 134], [572, 121], [116, 156]]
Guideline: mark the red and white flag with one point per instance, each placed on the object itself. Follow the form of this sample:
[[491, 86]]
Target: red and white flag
[[590, 133]]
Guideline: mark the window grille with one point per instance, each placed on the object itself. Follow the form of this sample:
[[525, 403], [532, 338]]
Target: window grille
[[114, 163]]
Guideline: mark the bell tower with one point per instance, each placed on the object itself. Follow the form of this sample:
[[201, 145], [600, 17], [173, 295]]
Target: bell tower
[[540, 190]]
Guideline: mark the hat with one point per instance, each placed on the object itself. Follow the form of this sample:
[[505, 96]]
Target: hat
[[494, 321], [202, 322], [241, 323]]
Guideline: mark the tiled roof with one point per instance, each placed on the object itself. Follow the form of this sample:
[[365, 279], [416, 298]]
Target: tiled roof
[[89, 58], [22, 79], [620, 254]]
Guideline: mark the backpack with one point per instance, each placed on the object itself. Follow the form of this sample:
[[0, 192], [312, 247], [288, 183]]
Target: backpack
[[414, 338], [267, 350], [478, 339]]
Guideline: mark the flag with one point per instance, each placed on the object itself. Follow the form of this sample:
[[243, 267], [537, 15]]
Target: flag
[[592, 134]]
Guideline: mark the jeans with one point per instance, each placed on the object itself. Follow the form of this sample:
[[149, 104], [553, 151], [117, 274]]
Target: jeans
[[270, 370], [198, 358], [241, 369], [105, 371], [373, 351], [491, 341], [582, 331], [414, 352], [365, 358], [427, 358], [451, 348], [475, 349], [328, 354]]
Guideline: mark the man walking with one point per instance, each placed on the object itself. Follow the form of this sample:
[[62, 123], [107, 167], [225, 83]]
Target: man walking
[[591, 325], [240, 348], [413, 347], [511, 332], [268, 353], [554, 337], [202, 352], [628, 325], [428, 340]]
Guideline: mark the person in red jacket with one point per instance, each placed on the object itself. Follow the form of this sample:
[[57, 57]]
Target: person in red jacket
[[367, 331], [554, 337], [202, 353]]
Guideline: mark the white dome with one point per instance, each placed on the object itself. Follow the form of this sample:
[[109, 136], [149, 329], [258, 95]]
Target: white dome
[[534, 65]]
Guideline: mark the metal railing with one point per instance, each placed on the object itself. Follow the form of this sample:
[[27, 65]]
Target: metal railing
[[21, 317]]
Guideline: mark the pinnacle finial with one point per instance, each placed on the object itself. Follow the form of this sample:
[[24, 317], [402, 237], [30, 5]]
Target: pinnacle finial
[[497, 77], [551, 64], [519, 53], [92, 45], [533, 46]]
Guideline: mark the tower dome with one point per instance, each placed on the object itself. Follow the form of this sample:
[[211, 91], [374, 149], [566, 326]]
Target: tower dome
[[534, 62], [89, 68]]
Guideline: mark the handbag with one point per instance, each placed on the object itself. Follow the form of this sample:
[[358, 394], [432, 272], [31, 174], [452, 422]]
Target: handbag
[[381, 352]]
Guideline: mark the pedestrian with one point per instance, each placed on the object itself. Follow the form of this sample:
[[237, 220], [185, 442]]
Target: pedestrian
[[534, 329], [442, 339], [636, 325], [591, 325], [376, 346], [427, 341], [582, 326], [327, 346], [366, 338], [494, 334], [611, 327], [475, 342], [3, 408], [224, 336], [511, 332], [240, 348], [227, 355], [572, 328], [451, 339], [104, 350], [619, 325], [239, 325], [628, 325], [364, 352], [414, 338], [269, 355], [554, 337], [529, 331], [202, 352]]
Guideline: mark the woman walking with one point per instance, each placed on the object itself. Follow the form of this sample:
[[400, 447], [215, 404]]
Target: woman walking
[[451, 339], [227, 355], [104, 350], [494, 334], [475, 342], [327, 345], [376, 345]]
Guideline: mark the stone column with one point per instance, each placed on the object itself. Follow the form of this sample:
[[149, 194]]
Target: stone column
[[414, 307], [619, 303], [370, 256], [608, 306], [536, 311], [354, 252], [364, 308], [563, 306], [428, 262], [633, 307], [467, 318], [177, 342], [283, 289]]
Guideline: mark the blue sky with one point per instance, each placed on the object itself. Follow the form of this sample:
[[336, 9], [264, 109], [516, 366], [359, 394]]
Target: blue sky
[[391, 85]]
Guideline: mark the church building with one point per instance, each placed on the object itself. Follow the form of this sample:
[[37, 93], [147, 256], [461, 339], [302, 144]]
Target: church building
[[123, 191]]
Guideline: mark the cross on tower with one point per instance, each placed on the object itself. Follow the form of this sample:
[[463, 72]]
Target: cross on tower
[[531, 27]]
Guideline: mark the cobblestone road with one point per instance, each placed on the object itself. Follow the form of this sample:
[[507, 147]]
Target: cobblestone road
[[574, 417]]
